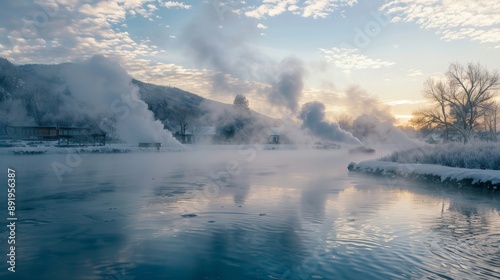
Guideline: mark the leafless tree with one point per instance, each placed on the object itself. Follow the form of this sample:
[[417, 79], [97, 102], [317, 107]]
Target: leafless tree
[[476, 87], [242, 102], [490, 121], [195, 128], [460, 102], [181, 121]]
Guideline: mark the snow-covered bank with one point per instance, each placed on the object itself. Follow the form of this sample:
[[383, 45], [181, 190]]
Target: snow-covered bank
[[489, 179]]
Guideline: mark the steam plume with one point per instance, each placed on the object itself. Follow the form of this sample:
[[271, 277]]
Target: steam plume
[[220, 45], [374, 123], [288, 89], [104, 88], [312, 115]]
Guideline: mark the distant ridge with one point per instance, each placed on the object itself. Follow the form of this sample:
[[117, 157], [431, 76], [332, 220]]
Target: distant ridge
[[38, 94]]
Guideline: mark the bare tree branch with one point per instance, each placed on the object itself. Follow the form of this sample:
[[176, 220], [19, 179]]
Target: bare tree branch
[[461, 102]]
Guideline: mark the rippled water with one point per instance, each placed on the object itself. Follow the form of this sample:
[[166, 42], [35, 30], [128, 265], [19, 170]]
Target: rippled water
[[242, 215]]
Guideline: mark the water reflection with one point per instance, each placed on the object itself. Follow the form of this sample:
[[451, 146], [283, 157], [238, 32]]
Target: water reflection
[[300, 220], [463, 242], [313, 200], [458, 228]]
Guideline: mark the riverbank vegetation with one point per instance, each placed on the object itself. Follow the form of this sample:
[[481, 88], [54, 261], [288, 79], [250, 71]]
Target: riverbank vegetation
[[473, 155]]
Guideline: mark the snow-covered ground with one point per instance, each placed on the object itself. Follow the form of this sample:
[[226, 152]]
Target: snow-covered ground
[[50, 147], [459, 176], [476, 164]]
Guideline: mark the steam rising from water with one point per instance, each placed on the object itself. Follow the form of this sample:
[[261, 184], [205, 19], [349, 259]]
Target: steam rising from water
[[374, 123], [220, 45], [104, 88], [312, 115], [288, 89]]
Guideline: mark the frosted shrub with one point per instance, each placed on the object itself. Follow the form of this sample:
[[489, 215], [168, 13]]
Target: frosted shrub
[[476, 155]]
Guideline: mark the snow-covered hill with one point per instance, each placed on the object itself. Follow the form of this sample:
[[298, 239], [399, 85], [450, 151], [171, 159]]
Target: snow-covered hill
[[65, 95]]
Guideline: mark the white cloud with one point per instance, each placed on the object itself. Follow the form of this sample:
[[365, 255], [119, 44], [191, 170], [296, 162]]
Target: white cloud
[[175, 4], [172, 36], [350, 59], [116, 11], [71, 35], [270, 8], [261, 26], [395, 19], [109, 10], [85, 29], [459, 19], [322, 8], [147, 11], [310, 8], [127, 4], [293, 8]]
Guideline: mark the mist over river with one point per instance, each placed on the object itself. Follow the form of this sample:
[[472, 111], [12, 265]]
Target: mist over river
[[240, 214]]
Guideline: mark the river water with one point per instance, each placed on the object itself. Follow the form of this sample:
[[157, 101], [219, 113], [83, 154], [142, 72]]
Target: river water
[[247, 214]]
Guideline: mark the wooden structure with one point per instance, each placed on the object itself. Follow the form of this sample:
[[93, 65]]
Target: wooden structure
[[196, 135], [65, 136], [150, 145]]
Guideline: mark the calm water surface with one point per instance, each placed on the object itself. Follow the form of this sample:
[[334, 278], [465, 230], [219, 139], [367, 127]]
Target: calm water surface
[[241, 215]]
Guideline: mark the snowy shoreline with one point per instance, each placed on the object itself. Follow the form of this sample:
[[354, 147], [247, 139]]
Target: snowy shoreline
[[486, 179], [108, 149], [29, 149]]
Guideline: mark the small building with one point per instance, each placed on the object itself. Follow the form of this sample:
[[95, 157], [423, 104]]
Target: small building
[[186, 138], [274, 135], [33, 132], [64, 135], [197, 135], [205, 134]]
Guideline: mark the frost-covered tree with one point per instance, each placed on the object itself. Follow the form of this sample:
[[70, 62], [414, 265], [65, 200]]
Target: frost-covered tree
[[241, 101], [490, 121], [180, 122], [460, 102], [237, 125]]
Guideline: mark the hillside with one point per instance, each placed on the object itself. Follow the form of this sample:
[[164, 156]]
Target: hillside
[[168, 102], [64, 95]]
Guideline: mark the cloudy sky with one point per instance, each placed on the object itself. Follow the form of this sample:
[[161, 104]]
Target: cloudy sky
[[217, 48]]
